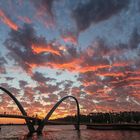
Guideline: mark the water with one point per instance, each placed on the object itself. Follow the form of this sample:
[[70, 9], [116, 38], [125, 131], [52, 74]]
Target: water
[[66, 133]]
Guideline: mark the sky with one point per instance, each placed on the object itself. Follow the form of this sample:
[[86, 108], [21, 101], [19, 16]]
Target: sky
[[85, 48]]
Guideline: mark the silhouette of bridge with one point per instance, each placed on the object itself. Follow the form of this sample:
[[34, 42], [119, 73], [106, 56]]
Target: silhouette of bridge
[[19, 117], [44, 121], [34, 119]]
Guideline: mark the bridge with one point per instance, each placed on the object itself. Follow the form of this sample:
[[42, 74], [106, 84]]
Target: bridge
[[39, 120], [43, 122], [19, 117]]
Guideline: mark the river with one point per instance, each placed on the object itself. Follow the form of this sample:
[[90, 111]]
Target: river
[[67, 132]]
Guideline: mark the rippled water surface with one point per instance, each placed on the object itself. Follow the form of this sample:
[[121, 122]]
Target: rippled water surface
[[66, 133]]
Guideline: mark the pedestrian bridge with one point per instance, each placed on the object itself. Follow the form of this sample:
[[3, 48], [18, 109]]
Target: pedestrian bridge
[[43, 122], [19, 117]]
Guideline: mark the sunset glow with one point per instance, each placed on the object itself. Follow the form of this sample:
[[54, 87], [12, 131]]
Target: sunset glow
[[81, 48], [44, 48]]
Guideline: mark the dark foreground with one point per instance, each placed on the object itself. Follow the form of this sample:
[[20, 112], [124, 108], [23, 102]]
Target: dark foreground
[[61, 132], [114, 127]]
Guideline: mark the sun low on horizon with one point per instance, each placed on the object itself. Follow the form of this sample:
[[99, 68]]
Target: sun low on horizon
[[89, 49]]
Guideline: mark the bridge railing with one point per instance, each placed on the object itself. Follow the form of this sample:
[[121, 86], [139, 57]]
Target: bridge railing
[[10, 113]]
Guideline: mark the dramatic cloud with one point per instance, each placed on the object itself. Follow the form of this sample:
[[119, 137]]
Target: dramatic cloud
[[39, 48], [5, 19], [40, 78], [20, 46], [101, 70], [100, 67], [43, 6], [95, 11], [70, 37], [22, 84], [48, 88]]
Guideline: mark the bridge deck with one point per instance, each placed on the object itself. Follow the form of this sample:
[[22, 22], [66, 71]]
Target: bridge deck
[[17, 116]]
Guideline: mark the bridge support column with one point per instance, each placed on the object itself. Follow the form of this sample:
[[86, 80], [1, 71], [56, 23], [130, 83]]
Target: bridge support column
[[28, 122], [42, 124]]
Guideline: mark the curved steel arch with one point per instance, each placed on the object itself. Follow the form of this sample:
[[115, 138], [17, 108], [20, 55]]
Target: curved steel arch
[[42, 124], [28, 122]]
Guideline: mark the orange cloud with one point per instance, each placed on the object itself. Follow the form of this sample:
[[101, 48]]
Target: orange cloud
[[113, 74], [90, 92], [121, 64], [62, 48], [5, 19], [71, 39], [85, 69], [137, 78], [73, 65], [45, 48], [86, 84]]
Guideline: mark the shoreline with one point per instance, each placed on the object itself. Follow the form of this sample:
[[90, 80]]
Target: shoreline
[[114, 126]]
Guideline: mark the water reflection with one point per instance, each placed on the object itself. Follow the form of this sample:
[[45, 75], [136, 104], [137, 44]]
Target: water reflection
[[66, 133]]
